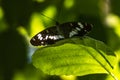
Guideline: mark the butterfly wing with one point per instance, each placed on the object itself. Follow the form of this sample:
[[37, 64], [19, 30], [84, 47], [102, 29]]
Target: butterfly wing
[[46, 37], [59, 32], [71, 29]]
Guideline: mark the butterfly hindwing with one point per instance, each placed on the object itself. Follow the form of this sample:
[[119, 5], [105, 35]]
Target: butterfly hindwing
[[71, 29]]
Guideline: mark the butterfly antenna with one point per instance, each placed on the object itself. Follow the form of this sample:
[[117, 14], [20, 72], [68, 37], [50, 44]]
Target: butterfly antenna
[[59, 9], [49, 18]]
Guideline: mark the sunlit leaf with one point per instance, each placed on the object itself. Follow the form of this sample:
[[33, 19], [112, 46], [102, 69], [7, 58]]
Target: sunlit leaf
[[75, 56]]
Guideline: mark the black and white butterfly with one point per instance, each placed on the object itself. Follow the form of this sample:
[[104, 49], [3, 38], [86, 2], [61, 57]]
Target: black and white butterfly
[[59, 32]]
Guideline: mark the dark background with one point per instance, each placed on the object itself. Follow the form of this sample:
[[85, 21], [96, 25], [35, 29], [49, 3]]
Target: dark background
[[16, 17]]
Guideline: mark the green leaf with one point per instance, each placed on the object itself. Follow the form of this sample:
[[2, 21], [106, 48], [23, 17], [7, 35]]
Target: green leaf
[[75, 56]]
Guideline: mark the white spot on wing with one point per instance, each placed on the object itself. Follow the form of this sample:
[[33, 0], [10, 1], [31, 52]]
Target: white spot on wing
[[47, 31], [71, 24], [80, 25], [78, 29], [55, 37], [85, 30], [33, 39], [72, 33], [52, 37], [42, 43], [40, 36], [61, 37], [46, 37]]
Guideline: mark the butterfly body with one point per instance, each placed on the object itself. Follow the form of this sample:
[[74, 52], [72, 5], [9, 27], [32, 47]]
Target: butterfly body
[[59, 32]]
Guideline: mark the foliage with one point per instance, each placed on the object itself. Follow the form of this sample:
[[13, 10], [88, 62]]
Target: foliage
[[21, 19], [75, 57]]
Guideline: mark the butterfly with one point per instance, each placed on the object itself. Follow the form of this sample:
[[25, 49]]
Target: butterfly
[[59, 32]]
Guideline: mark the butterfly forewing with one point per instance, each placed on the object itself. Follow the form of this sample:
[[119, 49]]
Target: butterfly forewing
[[46, 37]]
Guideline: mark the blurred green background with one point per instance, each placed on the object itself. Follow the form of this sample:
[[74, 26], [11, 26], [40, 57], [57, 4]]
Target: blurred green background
[[22, 19]]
